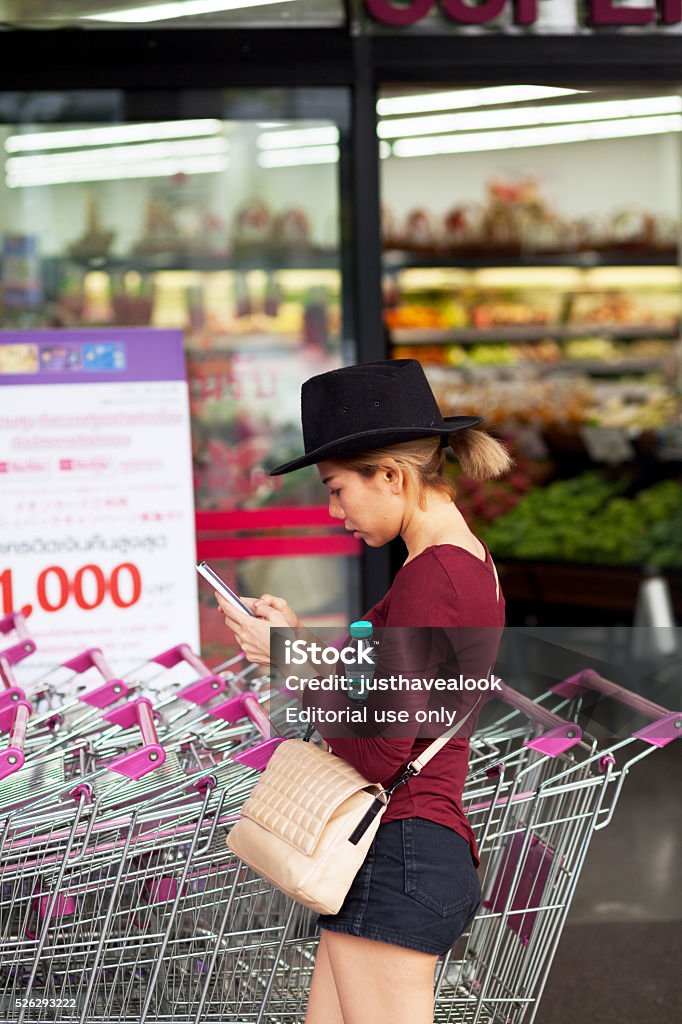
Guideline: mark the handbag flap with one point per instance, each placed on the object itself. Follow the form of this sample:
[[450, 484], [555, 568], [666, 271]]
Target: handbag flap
[[299, 791]]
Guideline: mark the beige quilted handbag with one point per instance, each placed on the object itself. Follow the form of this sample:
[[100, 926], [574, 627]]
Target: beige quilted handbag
[[310, 820], [296, 829]]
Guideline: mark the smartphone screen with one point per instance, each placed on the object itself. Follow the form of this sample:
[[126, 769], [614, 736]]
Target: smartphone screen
[[221, 586]]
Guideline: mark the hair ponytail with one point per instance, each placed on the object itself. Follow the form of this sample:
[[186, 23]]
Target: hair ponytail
[[480, 455]]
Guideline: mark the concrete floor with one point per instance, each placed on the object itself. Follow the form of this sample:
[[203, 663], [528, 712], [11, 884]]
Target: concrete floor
[[619, 957], [618, 960], [634, 866], [633, 869]]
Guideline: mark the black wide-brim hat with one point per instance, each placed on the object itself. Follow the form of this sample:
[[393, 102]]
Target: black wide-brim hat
[[367, 406]]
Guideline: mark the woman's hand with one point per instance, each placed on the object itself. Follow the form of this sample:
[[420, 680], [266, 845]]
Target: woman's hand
[[276, 603], [253, 634]]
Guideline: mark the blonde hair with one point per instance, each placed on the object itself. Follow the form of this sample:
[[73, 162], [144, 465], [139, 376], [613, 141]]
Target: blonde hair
[[480, 456]]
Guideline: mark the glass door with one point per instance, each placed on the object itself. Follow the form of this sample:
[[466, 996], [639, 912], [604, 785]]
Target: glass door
[[531, 263], [221, 220]]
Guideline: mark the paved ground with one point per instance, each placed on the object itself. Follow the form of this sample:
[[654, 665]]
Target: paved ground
[[620, 955]]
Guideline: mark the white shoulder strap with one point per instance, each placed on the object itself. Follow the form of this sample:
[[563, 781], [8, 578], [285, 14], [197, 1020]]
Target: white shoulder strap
[[433, 748]]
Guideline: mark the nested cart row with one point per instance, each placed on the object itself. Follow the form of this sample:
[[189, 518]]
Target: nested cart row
[[119, 900]]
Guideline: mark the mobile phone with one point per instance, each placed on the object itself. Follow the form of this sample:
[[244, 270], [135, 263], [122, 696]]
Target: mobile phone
[[221, 586]]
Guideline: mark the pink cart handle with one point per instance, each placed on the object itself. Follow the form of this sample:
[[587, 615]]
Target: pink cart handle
[[90, 658], [181, 652], [535, 712], [203, 690], [101, 696], [108, 693], [258, 755], [10, 693], [665, 725], [244, 705], [560, 734], [151, 755], [589, 680], [12, 757], [15, 622]]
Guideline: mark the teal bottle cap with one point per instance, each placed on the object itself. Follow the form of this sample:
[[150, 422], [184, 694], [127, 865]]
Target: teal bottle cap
[[361, 629]]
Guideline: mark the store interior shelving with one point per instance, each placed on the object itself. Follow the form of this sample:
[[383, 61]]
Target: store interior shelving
[[554, 592], [532, 332], [579, 394], [245, 260], [467, 259], [602, 321], [275, 300]]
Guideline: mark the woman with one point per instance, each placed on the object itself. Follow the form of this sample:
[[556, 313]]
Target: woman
[[376, 435]]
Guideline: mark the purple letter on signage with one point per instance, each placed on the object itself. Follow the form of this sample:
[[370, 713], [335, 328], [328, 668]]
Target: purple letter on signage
[[670, 12], [385, 12], [602, 12], [526, 12]]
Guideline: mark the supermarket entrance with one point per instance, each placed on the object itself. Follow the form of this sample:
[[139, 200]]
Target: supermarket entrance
[[530, 262]]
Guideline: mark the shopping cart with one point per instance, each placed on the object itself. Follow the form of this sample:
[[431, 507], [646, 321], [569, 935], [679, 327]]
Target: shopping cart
[[91, 885], [88, 720], [84, 852], [14, 708], [13, 626], [534, 830], [119, 900], [534, 812]]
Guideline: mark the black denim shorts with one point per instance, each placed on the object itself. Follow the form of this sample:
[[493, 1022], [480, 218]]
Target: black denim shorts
[[417, 888]]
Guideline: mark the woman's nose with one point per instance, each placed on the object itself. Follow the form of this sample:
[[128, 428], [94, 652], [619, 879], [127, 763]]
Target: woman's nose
[[335, 508]]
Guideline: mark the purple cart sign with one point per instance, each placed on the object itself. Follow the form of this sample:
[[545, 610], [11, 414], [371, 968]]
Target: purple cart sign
[[90, 355], [97, 526]]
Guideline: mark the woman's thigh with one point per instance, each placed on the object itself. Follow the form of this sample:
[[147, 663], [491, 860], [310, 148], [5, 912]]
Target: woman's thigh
[[323, 1000], [376, 981]]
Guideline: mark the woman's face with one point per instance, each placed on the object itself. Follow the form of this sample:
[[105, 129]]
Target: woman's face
[[372, 509]]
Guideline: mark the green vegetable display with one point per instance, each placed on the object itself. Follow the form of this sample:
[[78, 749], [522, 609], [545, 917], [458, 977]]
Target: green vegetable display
[[587, 519]]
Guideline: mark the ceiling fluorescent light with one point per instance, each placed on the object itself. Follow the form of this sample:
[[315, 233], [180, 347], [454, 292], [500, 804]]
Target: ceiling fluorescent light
[[298, 157], [111, 135], [461, 98], [107, 172], [478, 142], [117, 156], [515, 117], [324, 136], [182, 9]]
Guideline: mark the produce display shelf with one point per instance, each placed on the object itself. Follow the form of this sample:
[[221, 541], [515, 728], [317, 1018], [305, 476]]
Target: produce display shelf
[[531, 332], [227, 344], [592, 367], [565, 441], [152, 263], [569, 583], [601, 367], [403, 259]]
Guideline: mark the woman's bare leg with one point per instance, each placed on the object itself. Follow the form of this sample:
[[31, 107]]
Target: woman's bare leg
[[323, 1001], [379, 982]]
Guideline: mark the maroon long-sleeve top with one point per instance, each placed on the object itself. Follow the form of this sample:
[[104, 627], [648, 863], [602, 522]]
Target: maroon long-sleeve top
[[443, 586]]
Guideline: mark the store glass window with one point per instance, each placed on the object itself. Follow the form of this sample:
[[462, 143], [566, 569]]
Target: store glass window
[[223, 223], [531, 262]]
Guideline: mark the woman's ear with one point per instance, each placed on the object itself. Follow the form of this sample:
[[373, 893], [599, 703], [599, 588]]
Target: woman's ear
[[394, 477]]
